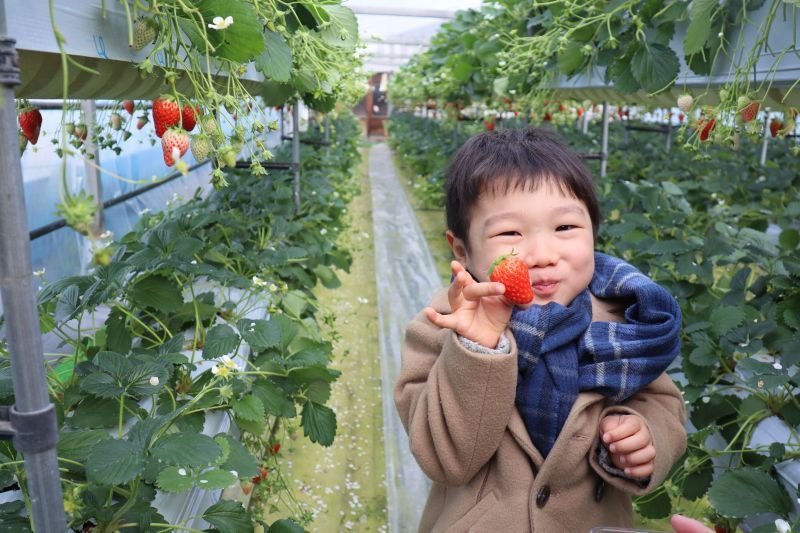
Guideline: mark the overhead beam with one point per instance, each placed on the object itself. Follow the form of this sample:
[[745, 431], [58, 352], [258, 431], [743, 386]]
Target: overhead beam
[[402, 12]]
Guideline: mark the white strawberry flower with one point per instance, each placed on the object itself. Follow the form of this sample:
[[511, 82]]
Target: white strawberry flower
[[258, 282], [182, 471], [220, 23], [154, 381], [227, 361], [777, 366], [782, 526]]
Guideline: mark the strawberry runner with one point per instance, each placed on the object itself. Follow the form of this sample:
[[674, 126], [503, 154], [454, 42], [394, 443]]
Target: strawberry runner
[[562, 352]]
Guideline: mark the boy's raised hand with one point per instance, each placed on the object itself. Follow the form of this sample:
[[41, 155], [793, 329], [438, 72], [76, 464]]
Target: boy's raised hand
[[630, 444], [478, 310]]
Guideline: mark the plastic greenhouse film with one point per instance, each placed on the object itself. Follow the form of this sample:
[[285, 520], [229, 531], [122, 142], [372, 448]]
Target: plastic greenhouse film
[[407, 282]]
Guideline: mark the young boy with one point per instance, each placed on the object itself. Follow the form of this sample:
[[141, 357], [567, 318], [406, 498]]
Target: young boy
[[544, 417]]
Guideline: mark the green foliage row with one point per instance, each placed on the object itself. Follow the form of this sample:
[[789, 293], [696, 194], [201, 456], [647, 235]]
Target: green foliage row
[[721, 233], [132, 392]]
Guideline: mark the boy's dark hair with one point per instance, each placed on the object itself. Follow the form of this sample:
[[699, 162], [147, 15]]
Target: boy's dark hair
[[525, 158]]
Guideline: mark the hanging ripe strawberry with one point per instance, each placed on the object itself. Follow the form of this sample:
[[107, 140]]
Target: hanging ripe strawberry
[[166, 113], [30, 121]]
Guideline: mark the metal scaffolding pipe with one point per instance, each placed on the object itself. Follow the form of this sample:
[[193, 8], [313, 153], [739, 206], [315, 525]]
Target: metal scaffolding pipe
[[93, 184], [296, 154], [22, 319], [604, 142]]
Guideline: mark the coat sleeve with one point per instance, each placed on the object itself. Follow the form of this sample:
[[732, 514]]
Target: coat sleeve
[[661, 406], [454, 404]]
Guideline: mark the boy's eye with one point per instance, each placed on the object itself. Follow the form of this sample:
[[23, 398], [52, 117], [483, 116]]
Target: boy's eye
[[509, 234], [564, 227]]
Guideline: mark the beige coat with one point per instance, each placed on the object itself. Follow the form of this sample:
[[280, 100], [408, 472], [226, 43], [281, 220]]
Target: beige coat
[[468, 437]]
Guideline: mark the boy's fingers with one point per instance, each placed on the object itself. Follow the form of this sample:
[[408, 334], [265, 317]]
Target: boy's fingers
[[630, 444], [476, 291], [639, 457], [640, 471], [628, 425], [443, 321]]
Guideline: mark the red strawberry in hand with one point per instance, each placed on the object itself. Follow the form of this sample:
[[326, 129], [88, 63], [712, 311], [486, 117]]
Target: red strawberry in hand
[[174, 139], [512, 272], [189, 116], [166, 113], [30, 120]]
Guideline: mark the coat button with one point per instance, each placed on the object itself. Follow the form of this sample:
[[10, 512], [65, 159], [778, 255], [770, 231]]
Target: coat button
[[543, 496], [599, 489]]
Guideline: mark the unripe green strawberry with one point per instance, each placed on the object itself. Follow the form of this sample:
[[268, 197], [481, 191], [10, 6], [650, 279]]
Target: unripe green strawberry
[[116, 121], [201, 147], [512, 272], [144, 33], [23, 142], [69, 127], [209, 126], [685, 102], [228, 156]]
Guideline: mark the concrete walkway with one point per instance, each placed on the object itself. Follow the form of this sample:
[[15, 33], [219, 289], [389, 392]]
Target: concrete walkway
[[406, 280]]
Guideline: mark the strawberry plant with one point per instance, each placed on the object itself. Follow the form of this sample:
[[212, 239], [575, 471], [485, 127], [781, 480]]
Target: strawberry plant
[[205, 307]]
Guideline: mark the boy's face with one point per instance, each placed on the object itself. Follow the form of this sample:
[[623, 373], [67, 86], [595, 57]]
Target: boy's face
[[549, 230]]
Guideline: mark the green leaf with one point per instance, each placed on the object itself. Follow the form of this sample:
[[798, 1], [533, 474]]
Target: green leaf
[[294, 303], [220, 340], [696, 483], [789, 238], [76, 445], [215, 479], [747, 492], [118, 337], [114, 462], [724, 319], [319, 423], [288, 330], [655, 67], [655, 505], [571, 58], [259, 334], [99, 413], [228, 517], [276, 60], [102, 385], [249, 408], [241, 41], [274, 400], [285, 525], [500, 86], [188, 450], [327, 276], [621, 76], [342, 31], [699, 25], [68, 303], [157, 292], [172, 480], [239, 460]]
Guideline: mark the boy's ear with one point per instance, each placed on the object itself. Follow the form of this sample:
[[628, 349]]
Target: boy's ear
[[458, 247]]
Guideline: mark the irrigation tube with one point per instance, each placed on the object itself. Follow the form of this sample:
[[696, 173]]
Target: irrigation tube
[[406, 284], [22, 319]]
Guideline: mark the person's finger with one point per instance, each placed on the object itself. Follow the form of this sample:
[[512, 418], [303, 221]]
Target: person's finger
[[683, 524], [609, 422], [638, 457], [438, 319], [634, 443], [641, 470], [476, 291], [627, 427]]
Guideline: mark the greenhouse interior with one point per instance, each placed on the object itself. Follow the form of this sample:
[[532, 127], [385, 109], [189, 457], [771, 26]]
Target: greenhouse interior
[[241, 289]]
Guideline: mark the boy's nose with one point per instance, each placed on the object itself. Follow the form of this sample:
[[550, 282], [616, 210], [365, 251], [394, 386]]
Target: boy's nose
[[539, 254]]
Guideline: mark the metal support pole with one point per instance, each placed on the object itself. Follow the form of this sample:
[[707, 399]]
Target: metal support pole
[[296, 154], [93, 184], [668, 144], [585, 123], [604, 142], [22, 319], [765, 142], [283, 119]]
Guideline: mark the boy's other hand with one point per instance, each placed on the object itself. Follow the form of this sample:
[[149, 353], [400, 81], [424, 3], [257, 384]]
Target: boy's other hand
[[630, 444], [478, 310]]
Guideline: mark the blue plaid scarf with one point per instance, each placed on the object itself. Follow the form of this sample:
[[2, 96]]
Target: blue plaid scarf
[[562, 352]]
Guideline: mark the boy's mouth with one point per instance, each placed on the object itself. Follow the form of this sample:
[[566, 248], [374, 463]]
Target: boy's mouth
[[545, 287]]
